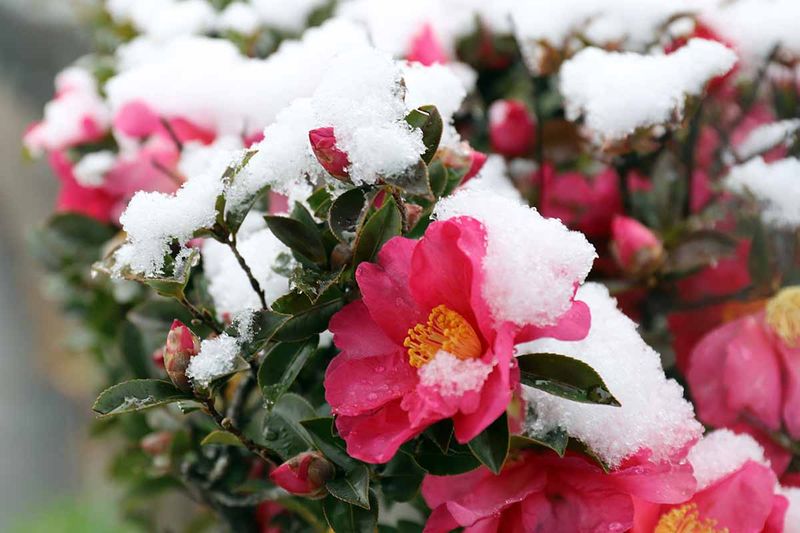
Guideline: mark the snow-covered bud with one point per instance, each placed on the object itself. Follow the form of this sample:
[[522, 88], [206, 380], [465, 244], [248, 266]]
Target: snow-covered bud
[[637, 249], [304, 475], [511, 128], [181, 346], [332, 159]]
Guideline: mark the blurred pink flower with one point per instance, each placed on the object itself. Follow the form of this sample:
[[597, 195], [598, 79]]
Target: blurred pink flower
[[636, 248], [426, 48], [512, 129]]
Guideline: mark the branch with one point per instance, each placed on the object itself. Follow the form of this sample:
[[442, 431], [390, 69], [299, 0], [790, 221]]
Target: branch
[[242, 263], [228, 425], [202, 315]]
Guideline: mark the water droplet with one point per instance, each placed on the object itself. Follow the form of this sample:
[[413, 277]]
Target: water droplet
[[372, 396]]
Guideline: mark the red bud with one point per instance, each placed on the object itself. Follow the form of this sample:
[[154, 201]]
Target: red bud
[[304, 475], [476, 161], [332, 159], [637, 249], [511, 128], [181, 346], [426, 48]]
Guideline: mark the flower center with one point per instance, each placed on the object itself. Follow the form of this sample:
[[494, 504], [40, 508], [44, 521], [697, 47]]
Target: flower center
[[783, 315], [686, 519], [446, 331]]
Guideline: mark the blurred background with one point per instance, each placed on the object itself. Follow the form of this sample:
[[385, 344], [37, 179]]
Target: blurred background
[[50, 475]]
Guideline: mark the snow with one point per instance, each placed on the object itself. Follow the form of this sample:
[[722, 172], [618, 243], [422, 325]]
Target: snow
[[240, 18], [228, 284], [164, 19], [633, 23], [723, 452], [153, 220], [532, 264], [493, 179], [766, 137], [791, 521], [286, 15], [653, 415], [208, 82], [776, 186], [451, 376], [90, 171], [435, 85], [655, 87], [756, 26], [217, 358]]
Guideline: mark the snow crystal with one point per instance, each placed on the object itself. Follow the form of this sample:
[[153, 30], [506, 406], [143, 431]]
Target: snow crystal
[[654, 415], [776, 186], [153, 220], [791, 522], [208, 81], [435, 85], [532, 264], [633, 23], [217, 358], [493, 178], [723, 452], [228, 284], [766, 137], [654, 86], [164, 19], [756, 26], [451, 376], [92, 168]]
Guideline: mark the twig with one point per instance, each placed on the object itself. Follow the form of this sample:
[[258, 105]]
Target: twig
[[202, 315], [228, 425], [172, 134], [401, 205], [242, 263]]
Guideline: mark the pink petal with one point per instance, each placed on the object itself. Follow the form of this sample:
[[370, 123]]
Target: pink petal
[[136, 119], [355, 332], [75, 198], [662, 482], [376, 437], [385, 289], [791, 400], [572, 326]]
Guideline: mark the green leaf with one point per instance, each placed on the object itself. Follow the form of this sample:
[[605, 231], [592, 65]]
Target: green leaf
[[352, 486], [759, 260], [438, 453], [320, 202], [401, 478], [221, 437], [379, 228], [265, 324], [321, 431], [300, 238], [556, 440], [232, 218], [136, 395], [414, 181], [565, 377], [346, 518], [282, 431], [345, 214], [281, 366], [491, 445], [428, 119], [307, 317], [170, 284]]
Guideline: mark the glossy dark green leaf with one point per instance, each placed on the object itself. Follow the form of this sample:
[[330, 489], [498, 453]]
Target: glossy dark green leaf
[[428, 119], [282, 431], [413, 181], [345, 214], [351, 486], [491, 445], [265, 324], [320, 202], [438, 453], [222, 438], [556, 440], [307, 317], [401, 478], [346, 518], [301, 239], [379, 228], [281, 365], [321, 431], [136, 395], [564, 376]]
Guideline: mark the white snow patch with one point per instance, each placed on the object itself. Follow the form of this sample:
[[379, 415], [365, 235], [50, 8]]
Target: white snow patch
[[791, 522], [217, 358], [767, 137], [90, 171], [723, 452], [776, 186], [451, 376]]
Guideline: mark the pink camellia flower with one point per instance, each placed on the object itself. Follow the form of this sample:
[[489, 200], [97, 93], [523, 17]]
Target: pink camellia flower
[[180, 347], [422, 345], [512, 129], [332, 159], [137, 119], [76, 198], [476, 161], [426, 48], [736, 492], [635, 247], [544, 492], [304, 475], [748, 370], [585, 203]]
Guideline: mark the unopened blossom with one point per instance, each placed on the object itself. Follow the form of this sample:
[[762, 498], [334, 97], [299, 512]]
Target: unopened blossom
[[635, 247], [304, 475], [426, 48], [332, 159], [512, 129], [422, 345], [181, 346]]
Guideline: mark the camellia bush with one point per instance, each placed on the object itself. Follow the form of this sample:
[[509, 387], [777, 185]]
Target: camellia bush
[[368, 265]]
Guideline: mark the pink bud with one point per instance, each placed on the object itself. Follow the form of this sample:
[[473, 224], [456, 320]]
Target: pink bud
[[635, 247], [156, 443], [426, 48], [304, 475], [181, 346], [476, 161], [335, 161], [511, 128]]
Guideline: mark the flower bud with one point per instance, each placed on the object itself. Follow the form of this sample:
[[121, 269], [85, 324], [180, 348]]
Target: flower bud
[[157, 443], [511, 128], [304, 475], [332, 159], [476, 161], [181, 346], [426, 48], [637, 249]]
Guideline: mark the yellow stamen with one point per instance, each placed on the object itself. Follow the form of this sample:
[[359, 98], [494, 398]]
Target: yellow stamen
[[686, 519], [446, 330], [783, 315]]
